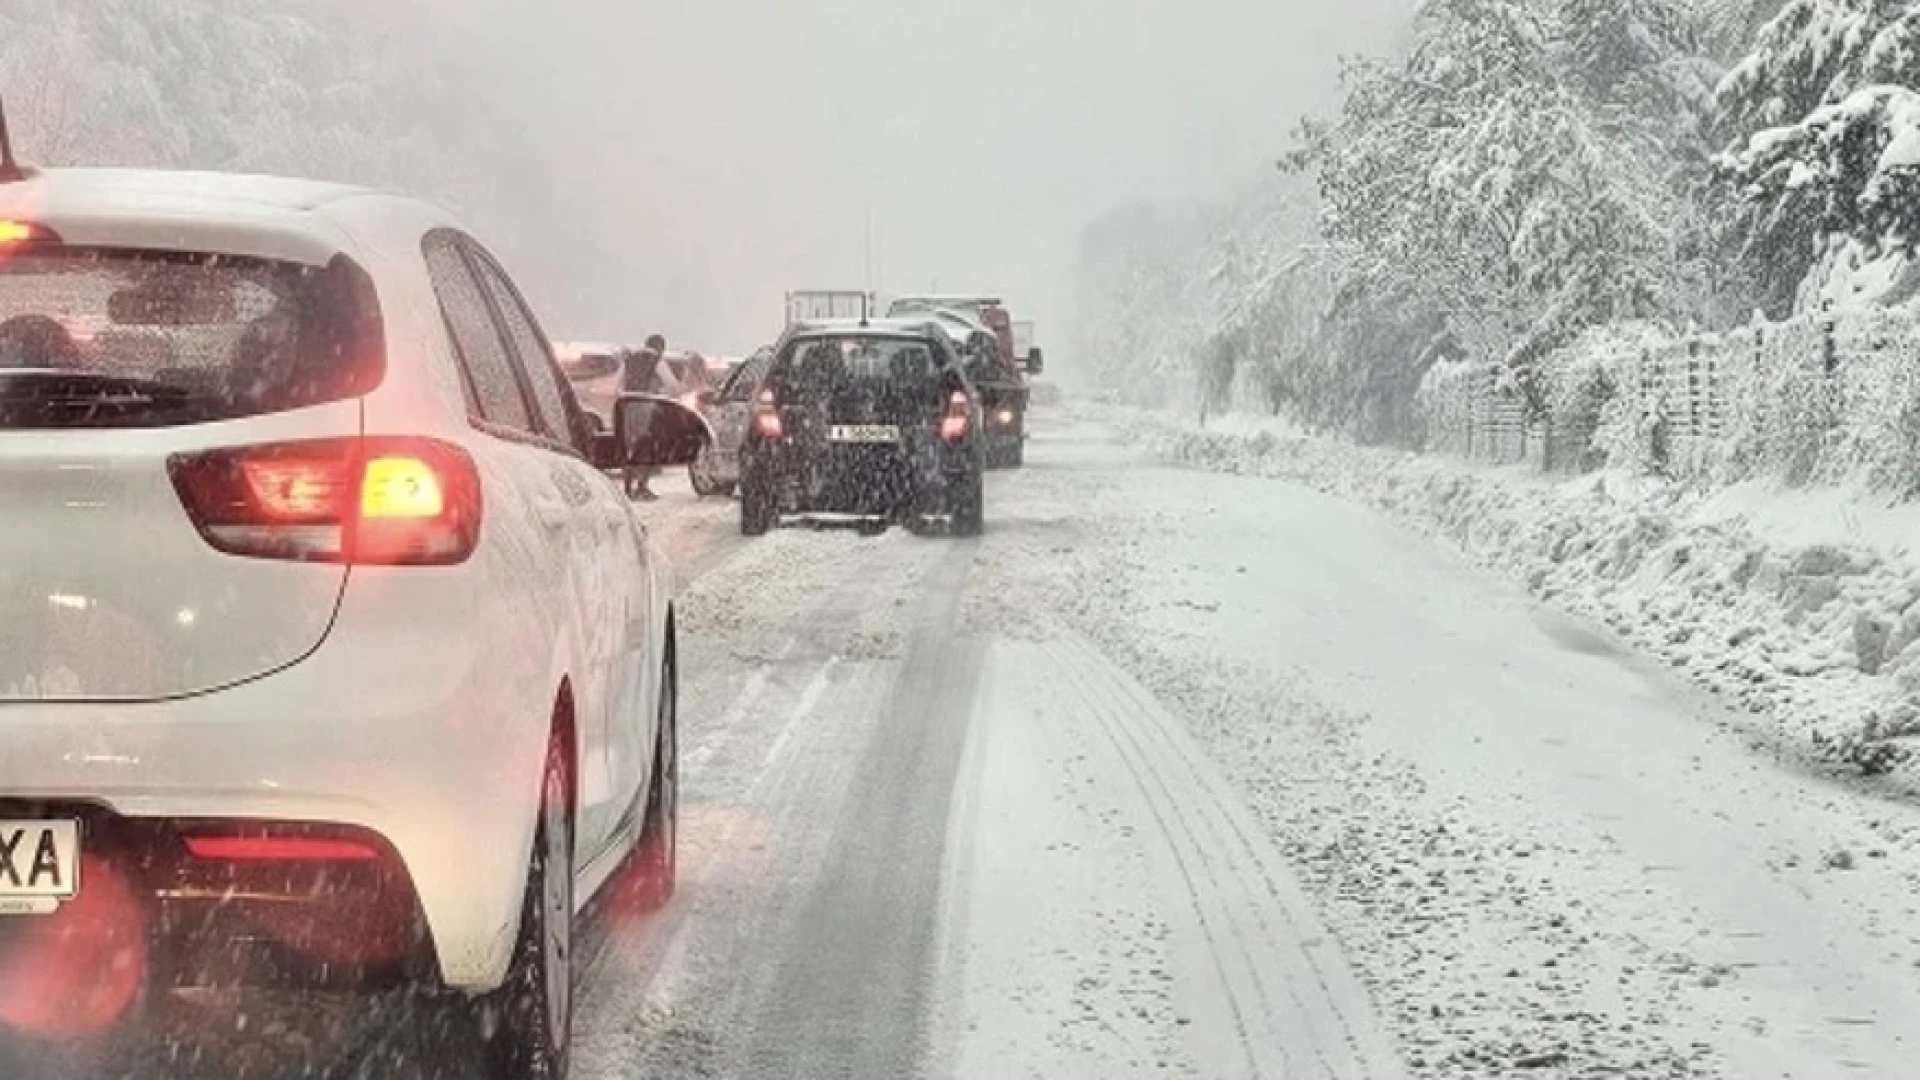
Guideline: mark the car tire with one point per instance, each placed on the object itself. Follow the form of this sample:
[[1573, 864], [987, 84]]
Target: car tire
[[966, 504], [700, 475], [1017, 453], [658, 856], [526, 1026], [756, 508]]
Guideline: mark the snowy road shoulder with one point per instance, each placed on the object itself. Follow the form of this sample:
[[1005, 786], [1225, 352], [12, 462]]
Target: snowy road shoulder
[[1801, 606], [1118, 911], [1539, 852]]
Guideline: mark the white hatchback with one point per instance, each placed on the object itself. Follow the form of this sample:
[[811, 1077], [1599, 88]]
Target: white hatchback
[[328, 648]]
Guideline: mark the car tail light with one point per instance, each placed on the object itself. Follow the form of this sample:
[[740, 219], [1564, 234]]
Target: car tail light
[[382, 501], [766, 416], [20, 232], [958, 419]]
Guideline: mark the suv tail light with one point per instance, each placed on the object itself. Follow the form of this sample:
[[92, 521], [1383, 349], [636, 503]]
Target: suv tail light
[[959, 417], [379, 501], [766, 415]]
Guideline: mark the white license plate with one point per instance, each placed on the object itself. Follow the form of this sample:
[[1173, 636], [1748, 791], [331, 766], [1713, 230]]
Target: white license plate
[[863, 433], [39, 865]]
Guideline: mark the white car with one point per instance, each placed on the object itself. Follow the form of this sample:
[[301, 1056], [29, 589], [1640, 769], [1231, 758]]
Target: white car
[[328, 648]]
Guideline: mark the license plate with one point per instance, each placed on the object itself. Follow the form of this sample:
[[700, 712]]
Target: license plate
[[39, 865], [863, 433]]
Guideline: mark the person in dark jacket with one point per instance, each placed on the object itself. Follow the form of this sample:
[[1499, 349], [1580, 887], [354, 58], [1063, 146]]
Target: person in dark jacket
[[646, 372]]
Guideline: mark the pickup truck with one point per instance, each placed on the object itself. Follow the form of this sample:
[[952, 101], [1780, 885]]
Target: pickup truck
[[1000, 366]]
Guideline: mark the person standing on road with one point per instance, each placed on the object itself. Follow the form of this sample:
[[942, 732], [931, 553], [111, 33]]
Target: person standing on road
[[646, 372]]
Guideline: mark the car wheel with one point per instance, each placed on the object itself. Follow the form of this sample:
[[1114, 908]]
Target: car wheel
[[756, 508], [966, 504], [660, 831], [1017, 453], [526, 1026], [700, 474]]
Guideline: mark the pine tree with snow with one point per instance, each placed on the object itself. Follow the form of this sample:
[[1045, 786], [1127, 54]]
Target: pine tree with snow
[[1822, 175]]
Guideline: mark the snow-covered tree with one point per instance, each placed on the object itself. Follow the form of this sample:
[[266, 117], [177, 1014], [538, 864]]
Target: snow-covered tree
[[1524, 171], [1822, 177], [1814, 53], [363, 91]]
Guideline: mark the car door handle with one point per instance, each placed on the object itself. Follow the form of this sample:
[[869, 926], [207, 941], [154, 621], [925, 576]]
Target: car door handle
[[550, 512]]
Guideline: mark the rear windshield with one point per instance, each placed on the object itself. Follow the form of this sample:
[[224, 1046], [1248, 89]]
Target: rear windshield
[[827, 364], [100, 338]]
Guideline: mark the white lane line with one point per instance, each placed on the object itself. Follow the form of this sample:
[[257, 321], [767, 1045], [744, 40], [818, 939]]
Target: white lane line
[[749, 695], [809, 698]]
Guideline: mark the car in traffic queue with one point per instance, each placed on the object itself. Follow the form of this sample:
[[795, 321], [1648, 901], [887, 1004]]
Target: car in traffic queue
[[728, 409], [999, 372], [1003, 390], [329, 652], [874, 420]]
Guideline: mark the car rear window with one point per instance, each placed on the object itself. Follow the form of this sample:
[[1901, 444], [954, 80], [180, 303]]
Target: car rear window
[[114, 338], [828, 362]]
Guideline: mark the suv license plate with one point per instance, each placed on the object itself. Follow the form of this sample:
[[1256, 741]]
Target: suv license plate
[[863, 433], [39, 865]]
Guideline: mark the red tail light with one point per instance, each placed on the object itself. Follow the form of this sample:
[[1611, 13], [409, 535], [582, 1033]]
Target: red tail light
[[958, 419], [389, 501], [766, 415]]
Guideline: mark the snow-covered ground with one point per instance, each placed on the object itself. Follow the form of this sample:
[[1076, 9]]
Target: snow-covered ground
[[1544, 856], [1800, 606]]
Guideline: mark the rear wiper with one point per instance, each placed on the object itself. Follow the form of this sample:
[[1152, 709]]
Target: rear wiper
[[40, 398], [53, 386]]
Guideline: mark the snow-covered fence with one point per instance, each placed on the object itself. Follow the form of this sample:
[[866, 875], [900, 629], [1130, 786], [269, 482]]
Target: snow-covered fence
[[1829, 399], [1475, 411]]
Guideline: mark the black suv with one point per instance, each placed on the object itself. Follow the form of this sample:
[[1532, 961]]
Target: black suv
[[876, 420]]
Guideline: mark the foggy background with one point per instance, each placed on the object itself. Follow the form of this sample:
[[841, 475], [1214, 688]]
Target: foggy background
[[713, 154], [676, 165]]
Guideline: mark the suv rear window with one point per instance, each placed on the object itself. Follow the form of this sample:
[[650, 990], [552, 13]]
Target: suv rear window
[[111, 338], [831, 362]]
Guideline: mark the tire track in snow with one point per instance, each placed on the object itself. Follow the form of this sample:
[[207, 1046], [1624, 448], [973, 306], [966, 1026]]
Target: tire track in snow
[[1296, 1013], [747, 798], [777, 803]]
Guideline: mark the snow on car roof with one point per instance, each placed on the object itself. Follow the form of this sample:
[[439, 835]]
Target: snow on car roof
[[260, 216], [943, 299], [915, 328]]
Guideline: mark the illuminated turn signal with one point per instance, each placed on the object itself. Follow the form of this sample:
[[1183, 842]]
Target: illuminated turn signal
[[13, 232], [401, 487]]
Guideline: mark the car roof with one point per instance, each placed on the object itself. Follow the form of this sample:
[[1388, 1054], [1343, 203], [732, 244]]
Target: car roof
[[576, 349], [920, 329], [307, 221], [942, 299]]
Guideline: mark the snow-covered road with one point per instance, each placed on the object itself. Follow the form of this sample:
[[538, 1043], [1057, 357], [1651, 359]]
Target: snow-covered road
[[1185, 774]]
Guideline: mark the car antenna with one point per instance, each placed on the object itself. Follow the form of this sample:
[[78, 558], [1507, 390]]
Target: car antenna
[[10, 170]]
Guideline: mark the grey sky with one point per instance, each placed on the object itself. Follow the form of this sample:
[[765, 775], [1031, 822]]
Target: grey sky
[[716, 152]]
